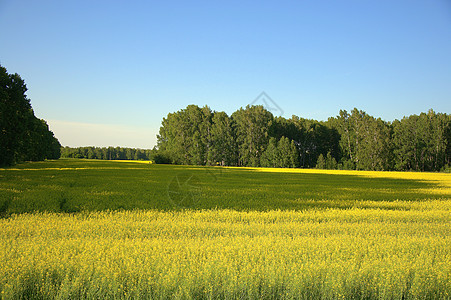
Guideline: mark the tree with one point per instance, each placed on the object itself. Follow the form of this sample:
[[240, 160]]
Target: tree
[[223, 149], [330, 163], [421, 142], [448, 141], [91, 153], [22, 135], [185, 136], [321, 163], [14, 116], [285, 153], [312, 138], [365, 141], [39, 142], [252, 124], [109, 153], [373, 138], [270, 158], [294, 155], [251, 136], [280, 154]]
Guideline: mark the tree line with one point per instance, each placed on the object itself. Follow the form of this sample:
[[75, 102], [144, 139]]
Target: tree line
[[108, 153], [354, 140], [23, 136]]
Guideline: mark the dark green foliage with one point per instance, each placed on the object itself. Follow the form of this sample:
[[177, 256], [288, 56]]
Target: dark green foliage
[[161, 158], [312, 139], [281, 154], [39, 143], [327, 163], [112, 153], [252, 126], [331, 163], [421, 143], [223, 149], [253, 137], [365, 141], [186, 136], [417, 143], [23, 137], [270, 157]]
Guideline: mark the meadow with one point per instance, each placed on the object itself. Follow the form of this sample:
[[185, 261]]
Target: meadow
[[80, 229]]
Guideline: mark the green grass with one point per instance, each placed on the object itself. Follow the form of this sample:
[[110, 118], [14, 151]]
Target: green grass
[[81, 185]]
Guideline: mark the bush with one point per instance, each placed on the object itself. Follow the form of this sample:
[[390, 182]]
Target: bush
[[161, 158]]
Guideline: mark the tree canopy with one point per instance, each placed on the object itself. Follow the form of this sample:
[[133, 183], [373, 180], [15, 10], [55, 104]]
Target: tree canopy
[[23, 137], [110, 153], [253, 137]]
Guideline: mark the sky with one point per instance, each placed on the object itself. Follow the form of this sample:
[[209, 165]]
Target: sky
[[105, 73]]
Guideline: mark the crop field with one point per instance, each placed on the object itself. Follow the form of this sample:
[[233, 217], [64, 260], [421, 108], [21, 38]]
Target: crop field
[[81, 229]]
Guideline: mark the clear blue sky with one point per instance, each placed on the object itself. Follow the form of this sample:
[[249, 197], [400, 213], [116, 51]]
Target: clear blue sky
[[106, 72]]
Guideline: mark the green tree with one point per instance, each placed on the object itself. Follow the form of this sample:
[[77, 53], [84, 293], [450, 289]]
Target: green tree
[[91, 153], [39, 142], [15, 115], [253, 137], [284, 153], [223, 148], [185, 136], [330, 163], [313, 138], [365, 141], [252, 124], [294, 155], [22, 135], [270, 158], [280, 154], [321, 162], [421, 141]]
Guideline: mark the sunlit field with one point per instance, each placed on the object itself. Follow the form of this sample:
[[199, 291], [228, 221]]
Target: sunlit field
[[95, 229]]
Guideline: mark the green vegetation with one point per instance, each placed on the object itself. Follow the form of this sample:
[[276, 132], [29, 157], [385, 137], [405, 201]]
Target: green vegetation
[[253, 137], [108, 153], [23, 137], [70, 185]]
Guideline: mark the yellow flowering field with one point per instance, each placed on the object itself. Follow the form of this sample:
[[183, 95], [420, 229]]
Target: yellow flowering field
[[380, 250]]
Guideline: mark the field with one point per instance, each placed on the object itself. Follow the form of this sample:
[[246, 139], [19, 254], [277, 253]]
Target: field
[[126, 230]]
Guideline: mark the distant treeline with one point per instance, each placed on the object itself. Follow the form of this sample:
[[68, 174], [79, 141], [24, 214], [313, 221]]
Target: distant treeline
[[23, 137], [252, 136], [108, 153]]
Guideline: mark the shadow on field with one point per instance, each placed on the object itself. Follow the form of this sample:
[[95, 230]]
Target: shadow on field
[[256, 190], [84, 185]]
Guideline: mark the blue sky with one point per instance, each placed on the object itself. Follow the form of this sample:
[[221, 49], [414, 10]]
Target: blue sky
[[106, 72]]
